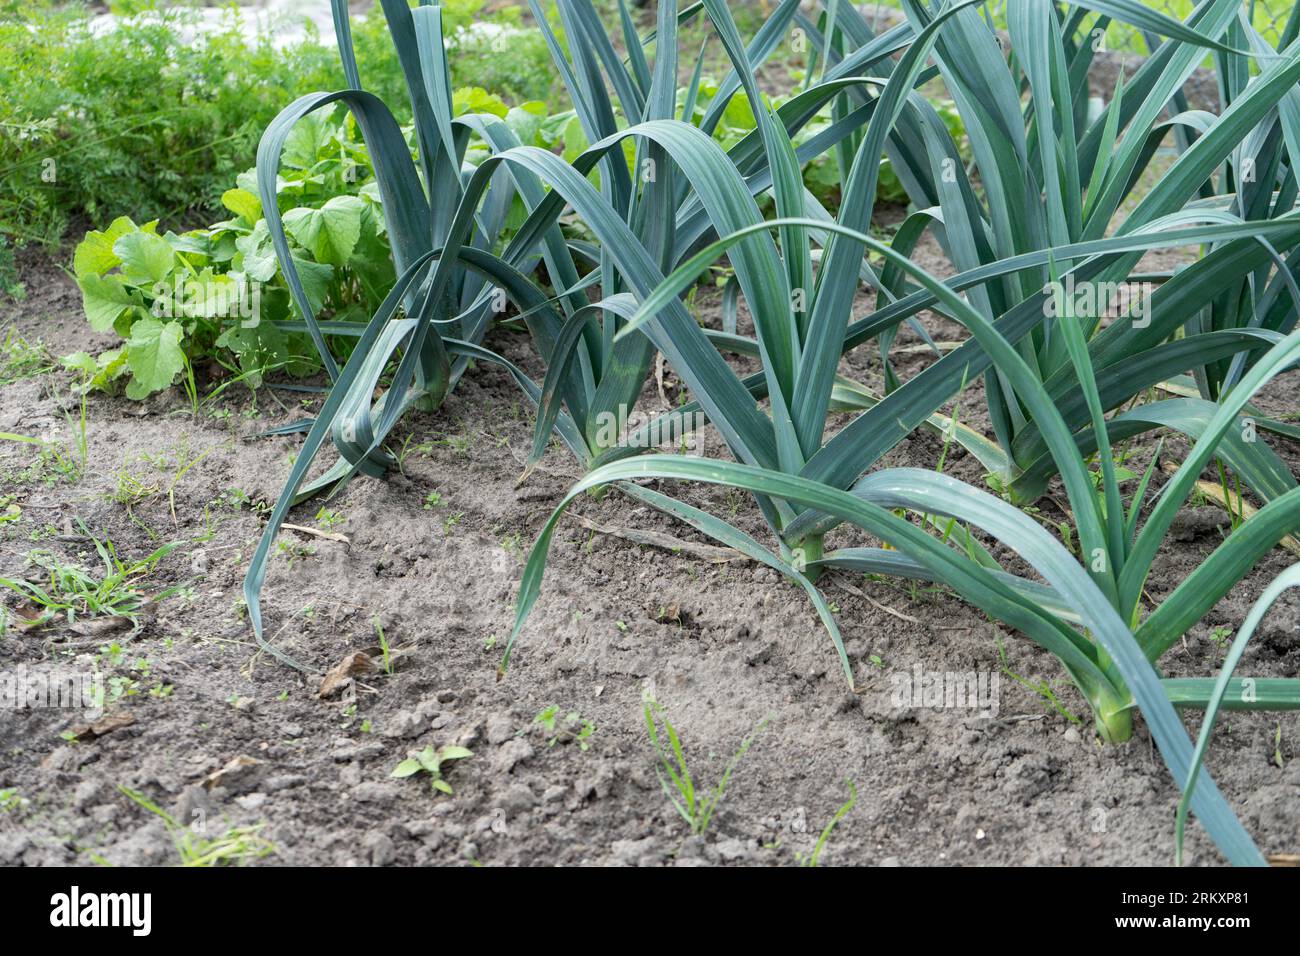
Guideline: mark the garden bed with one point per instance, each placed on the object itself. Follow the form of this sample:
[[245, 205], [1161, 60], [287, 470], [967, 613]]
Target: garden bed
[[224, 734]]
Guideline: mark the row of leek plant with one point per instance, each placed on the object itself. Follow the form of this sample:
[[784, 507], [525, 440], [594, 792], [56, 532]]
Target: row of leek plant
[[598, 354], [1089, 617], [800, 349], [446, 220]]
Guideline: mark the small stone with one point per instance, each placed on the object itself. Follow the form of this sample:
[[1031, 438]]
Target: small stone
[[284, 781], [371, 792], [692, 848], [631, 852], [517, 799], [88, 792], [733, 850], [469, 735], [512, 753], [405, 725], [382, 850], [1071, 736], [351, 752], [594, 786], [66, 759], [12, 846], [500, 728]]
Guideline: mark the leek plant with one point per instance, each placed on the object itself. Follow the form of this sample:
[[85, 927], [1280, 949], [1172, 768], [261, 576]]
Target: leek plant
[[419, 196], [1089, 616], [801, 324], [1074, 612], [1233, 693], [1253, 185], [686, 190], [1064, 185], [435, 317], [681, 190]]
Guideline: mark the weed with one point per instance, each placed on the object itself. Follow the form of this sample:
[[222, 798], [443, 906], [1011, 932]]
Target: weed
[[430, 761], [384, 650], [76, 592], [1042, 688], [571, 728], [695, 807], [21, 359], [814, 857], [236, 846]]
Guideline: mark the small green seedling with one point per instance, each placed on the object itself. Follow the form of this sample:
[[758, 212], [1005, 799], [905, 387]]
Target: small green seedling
[[327, 519], [384, 650], [695, 808], [430, 761], [573, 728], [812, 858], [1042, 688], [1221, 637]]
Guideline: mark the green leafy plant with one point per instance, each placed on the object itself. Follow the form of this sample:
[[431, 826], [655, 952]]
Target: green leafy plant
[[695, 806], [156, 115], [75, 592], [430, 761], [572, 727], [219, 293]]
